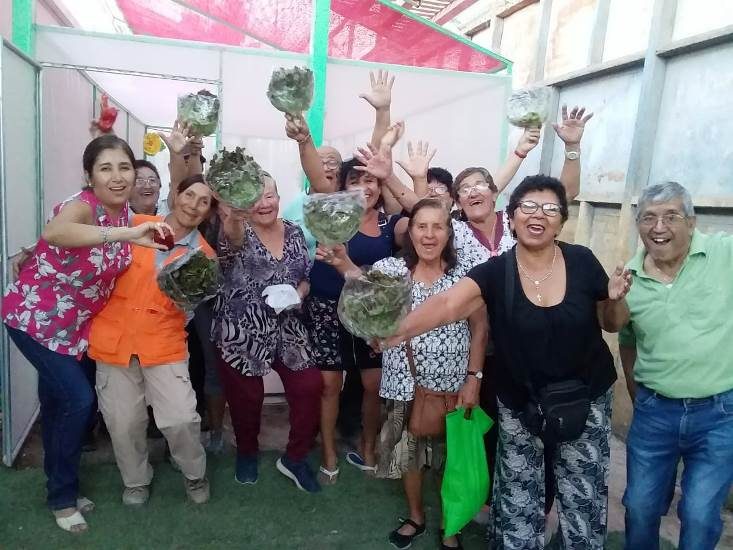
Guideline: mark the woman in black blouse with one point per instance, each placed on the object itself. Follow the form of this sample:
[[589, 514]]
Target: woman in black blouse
[[547, 303]]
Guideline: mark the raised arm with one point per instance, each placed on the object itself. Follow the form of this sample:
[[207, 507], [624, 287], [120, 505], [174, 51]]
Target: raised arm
[[74, 227], [195, 146], [176, 142], [380, 97], [528, 141], [570, 130], [297, 129], [449, 306], [613, 313], [416, 166]]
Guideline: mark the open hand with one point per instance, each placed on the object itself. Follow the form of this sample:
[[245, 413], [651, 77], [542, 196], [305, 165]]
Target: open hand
[[572, 125], [619, 283], [378, 163], [179, 137], [297, 128], [392, 135], [380, 96], [418, 160]]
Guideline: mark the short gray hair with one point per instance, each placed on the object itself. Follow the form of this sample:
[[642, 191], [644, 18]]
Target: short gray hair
[[665, 192]]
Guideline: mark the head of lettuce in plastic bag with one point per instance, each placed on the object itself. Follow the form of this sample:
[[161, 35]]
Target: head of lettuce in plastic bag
[[291, 89], [373, 304], [236, 178], [333, 218], [200, 111], [529, 108]]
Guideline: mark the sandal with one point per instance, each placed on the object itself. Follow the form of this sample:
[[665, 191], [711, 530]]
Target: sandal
[[75, 523], [444, 546], [400, 541], [355, 459], [84, 505], [328, 477]]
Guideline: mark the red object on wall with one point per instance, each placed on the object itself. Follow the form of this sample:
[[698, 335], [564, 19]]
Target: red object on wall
[[107, 115]]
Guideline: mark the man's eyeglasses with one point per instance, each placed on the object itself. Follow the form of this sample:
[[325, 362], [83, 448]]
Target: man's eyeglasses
[[151, 181], [438, 189], [669, 219], [466, 190], [549, 208], [331, 164]]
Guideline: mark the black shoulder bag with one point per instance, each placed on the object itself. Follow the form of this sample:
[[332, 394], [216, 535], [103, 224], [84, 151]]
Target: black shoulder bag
[[557, 412]]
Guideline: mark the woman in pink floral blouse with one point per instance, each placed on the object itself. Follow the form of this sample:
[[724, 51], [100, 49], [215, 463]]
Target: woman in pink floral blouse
[[66, 281]]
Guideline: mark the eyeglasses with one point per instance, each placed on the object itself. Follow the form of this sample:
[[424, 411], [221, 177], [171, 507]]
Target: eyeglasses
[[549, 208], [438, 189], [140, 182], [331, 164], [668, 220], [466, 190]]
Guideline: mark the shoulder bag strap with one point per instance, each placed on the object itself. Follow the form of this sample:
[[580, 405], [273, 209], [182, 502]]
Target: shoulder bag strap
[[411, 359]]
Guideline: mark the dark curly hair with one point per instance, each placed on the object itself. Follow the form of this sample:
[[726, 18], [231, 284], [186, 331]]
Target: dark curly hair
[[539, 182], [449, 252]]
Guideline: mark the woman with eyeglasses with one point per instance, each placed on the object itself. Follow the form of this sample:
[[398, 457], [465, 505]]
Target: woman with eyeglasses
[[547, 303], [146, 191]]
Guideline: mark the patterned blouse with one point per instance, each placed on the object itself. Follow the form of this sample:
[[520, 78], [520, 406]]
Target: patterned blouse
[[248, 332], [59, 290], [441, 355], [506, 241]]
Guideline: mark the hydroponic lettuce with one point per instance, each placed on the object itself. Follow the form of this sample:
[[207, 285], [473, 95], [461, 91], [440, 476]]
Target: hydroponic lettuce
[[291, 90], [373, 304], [236, 177], [529, 108], [189, 279], [200, 111], [334, 218]]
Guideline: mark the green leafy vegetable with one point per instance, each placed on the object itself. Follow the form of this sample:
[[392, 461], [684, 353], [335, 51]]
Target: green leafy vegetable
[[236, 177], [334, 218], [189, 279], [291, 90], [528, 108], [373, 304], [200, 111]]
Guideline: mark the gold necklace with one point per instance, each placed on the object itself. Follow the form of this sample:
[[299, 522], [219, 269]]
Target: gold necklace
[[538, 282]]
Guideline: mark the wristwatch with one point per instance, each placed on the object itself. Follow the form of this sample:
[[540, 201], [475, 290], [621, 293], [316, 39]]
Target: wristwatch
[[479, 375], [572, 155]]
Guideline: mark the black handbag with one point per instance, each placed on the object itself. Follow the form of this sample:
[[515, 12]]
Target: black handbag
[[558, 411]]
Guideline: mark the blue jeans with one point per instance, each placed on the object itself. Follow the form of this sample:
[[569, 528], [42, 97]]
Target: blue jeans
[[663, 431], [66, 407]]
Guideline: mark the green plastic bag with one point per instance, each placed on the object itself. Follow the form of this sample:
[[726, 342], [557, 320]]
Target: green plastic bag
[[466, 477]]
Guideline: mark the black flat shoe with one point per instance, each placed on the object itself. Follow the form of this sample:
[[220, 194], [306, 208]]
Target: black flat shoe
[[443, 546], [400, 541]]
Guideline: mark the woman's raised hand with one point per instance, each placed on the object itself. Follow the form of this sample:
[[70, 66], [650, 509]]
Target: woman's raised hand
[[619, 283], [377, 162], [297, 128], [178, 138], [418, 161], [572, 125]]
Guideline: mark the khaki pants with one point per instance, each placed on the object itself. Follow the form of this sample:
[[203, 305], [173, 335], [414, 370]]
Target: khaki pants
[[124, 394]]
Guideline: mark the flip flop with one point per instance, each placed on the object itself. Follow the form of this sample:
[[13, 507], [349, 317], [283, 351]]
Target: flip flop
[[84, 505], [328, 477], [355, 459], [74, 520]]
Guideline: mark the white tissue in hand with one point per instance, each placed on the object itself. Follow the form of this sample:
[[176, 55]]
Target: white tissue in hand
[[281, 297]]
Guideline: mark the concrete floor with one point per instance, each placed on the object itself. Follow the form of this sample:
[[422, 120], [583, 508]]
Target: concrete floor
[[274, 436]]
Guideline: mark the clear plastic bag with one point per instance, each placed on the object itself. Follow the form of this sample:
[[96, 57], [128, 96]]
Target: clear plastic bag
[[333, 218], [529, 108], [236, 178], [374, 304], [200, 111], [291, 90], [189, 279]]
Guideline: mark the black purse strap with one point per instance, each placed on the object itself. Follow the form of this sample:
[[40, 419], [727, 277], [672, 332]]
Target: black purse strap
[[509, 285]]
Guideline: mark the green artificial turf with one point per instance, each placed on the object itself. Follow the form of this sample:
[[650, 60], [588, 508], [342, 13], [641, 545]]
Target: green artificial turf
[[356, 513]]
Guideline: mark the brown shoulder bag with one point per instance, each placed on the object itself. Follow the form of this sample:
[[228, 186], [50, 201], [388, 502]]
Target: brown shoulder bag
[[427, 418]]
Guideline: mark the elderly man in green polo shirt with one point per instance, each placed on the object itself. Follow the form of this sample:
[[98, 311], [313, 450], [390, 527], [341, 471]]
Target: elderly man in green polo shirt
[[677, 354]]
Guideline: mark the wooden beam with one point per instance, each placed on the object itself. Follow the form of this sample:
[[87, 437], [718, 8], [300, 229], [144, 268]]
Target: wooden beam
[[697, 42], [600, 69], [515, 8], [543, 37], [452, 10], [497, 34], [548, 134], [598, 34]]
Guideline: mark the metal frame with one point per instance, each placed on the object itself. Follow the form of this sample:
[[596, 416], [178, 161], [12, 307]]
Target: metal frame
[[8, 451]]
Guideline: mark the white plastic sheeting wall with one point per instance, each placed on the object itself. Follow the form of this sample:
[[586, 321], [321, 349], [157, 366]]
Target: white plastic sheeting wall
[[21, 215]]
